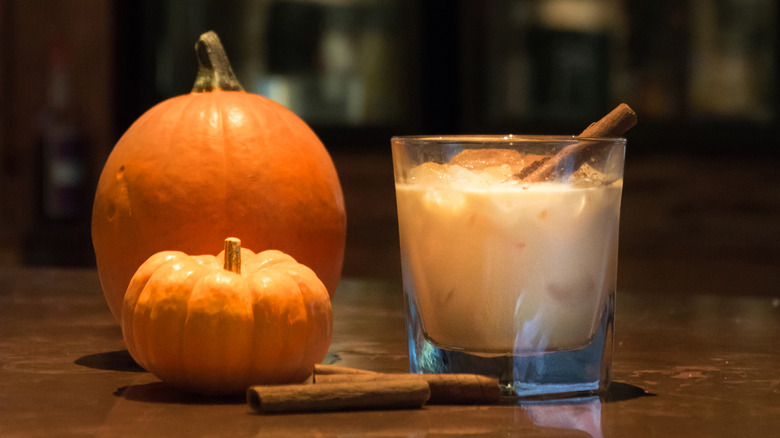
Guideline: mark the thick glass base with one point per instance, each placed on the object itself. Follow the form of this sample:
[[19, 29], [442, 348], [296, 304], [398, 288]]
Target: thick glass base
[[535, 375]]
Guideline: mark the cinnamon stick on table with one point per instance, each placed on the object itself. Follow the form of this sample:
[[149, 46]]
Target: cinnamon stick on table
[[344, 388], [378, 394], [323, 369], [614, 124], [445, 388]]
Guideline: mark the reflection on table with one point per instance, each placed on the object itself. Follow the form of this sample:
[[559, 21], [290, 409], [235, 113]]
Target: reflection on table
[[698, 365]]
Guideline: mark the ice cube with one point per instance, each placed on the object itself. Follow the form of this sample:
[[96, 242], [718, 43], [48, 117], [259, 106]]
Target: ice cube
[[461, 175], [587, 176], [481, 159], [498, 174], [429, 173], [444, 174]]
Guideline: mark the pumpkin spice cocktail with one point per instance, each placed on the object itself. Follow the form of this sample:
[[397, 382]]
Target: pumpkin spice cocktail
[[509, 257]]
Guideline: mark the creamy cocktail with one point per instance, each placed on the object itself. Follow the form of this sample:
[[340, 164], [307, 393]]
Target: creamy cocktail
[[505, 267], [498, 267]]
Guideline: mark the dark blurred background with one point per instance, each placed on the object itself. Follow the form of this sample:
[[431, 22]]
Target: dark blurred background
[[702, 193]]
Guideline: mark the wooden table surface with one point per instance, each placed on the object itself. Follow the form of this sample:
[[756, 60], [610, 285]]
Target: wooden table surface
[[696, 365]]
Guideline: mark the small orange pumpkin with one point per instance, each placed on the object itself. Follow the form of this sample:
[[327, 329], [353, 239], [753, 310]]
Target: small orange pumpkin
[[219, 324], [213, 163]]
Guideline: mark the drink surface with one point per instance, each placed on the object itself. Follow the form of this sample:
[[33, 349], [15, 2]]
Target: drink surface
[[502, 267]]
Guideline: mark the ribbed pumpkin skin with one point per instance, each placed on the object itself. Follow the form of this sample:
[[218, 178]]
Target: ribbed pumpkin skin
[[212, 331], [205, 165]]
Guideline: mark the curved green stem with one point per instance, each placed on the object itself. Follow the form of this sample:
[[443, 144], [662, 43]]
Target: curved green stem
[[214, 70]]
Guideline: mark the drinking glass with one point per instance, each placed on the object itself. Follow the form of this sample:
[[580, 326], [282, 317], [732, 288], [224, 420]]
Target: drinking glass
[[508, 272]]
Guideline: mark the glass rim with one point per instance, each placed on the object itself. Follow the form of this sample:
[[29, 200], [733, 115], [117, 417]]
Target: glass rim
[[499, 138]]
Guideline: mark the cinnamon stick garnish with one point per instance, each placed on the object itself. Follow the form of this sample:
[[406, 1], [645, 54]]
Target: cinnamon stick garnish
[[379, 394], [614, 124]]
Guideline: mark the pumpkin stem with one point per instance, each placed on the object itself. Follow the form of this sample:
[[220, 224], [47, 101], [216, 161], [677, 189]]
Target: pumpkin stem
[[214, 70], [233, 255]]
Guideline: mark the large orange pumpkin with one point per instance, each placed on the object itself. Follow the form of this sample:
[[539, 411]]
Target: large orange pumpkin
[[217, 325], [213, 163]]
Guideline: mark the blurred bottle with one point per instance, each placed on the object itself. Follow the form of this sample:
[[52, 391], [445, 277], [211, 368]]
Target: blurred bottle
[[570, 56], [62, 152], [555, 60], [732, 65], [60, 228]]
